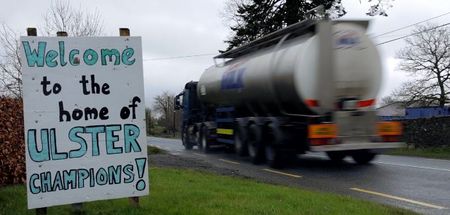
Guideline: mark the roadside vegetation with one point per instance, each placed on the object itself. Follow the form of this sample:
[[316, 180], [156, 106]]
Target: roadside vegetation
[[176, 191], [151, 150], [432, 152]]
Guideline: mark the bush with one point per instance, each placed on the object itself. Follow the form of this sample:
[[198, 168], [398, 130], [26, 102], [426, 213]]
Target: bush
[[12, 147], [426, 133]]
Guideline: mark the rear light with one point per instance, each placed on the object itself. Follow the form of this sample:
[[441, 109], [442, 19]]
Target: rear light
[[312, 103], [366, 103]]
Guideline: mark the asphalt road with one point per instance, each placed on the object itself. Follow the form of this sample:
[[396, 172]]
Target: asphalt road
[[418, 184]]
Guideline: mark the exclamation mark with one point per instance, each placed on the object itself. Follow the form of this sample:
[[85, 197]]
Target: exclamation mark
[[140, 164]]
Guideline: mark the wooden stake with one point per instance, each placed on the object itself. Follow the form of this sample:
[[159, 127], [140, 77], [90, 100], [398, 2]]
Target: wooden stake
[[77, 208], [61, 34], [39, 211], [134, 201], [31, 32], [124, 32]]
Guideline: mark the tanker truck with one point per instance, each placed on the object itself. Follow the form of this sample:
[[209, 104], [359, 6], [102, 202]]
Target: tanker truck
[[310, 87]]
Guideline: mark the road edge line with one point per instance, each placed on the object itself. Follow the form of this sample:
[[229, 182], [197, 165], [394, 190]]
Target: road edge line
[[283, 173], [413, 166], [398, 198], [228, 161]]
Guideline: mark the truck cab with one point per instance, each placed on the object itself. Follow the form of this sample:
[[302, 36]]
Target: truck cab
[[188, 102]]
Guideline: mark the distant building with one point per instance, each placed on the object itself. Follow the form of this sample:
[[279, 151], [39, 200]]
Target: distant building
[[396, 111], [426, 112], [392, 111]]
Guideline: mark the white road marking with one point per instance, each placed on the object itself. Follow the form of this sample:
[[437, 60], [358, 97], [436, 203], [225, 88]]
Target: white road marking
[[413, 166], [398, 198], [396, 164], [283, 173], [227, 161]]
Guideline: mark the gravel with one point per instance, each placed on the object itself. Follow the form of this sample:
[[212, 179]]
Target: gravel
[[173, 161]]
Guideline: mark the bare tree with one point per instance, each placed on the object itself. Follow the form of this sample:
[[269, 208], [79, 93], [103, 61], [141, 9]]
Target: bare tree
[[10, 65], [77, 22], [61, 16], [387, 100], [164, 105], [426, 57]]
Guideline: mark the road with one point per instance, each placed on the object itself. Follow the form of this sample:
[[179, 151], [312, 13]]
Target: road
[[418, 184]]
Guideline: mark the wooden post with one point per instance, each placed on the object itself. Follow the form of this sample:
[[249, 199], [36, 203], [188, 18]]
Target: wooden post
[[39, 211], [61, 34], [124, 32], [77, 208], [31, 32], [134, 201]]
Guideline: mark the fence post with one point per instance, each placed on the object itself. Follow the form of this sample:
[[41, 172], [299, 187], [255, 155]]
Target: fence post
[[134, 201]]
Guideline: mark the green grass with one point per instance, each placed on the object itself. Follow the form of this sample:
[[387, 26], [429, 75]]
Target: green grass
[[175, 191], [438, 153], [151, 150]]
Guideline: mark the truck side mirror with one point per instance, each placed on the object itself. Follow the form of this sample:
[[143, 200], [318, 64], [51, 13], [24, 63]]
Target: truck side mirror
[[177, 102]]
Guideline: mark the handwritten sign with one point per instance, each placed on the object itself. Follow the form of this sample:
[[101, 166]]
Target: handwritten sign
[[84, 119]]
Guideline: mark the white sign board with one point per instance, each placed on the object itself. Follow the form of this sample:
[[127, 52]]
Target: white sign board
[[84, 116]]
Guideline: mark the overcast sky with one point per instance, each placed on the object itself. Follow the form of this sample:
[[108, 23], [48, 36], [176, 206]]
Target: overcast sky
[[182, 28]]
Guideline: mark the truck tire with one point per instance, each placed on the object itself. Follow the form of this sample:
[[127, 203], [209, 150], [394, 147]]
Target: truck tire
[[274, 157], [255, 145], [336, 156], [363, 156], [204, 143], [186, 142], [273, 152], [240, 141]]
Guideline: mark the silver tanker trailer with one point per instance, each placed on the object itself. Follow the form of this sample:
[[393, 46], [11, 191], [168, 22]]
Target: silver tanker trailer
[[309, 87]]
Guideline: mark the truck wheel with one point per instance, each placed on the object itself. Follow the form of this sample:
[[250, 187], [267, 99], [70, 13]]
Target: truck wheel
[[255, 145], [273, 140], [240, 141], [186, 142], [337, 156], [363, 156], [204, 144], [274, 157]]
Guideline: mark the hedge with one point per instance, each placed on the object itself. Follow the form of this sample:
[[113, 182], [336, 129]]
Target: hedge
[[428, 132], [12, 147]]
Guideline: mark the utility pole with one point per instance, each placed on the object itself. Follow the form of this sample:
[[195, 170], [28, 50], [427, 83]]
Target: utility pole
[[174, 112], [168, 114]]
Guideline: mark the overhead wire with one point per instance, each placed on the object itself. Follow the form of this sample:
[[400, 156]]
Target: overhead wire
[[379, 35], [179, 57], [415, 33], [411, 25]]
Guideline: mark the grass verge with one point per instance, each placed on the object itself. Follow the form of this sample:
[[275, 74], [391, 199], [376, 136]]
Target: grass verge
[[438, 153], [175, 191], [151, 150]]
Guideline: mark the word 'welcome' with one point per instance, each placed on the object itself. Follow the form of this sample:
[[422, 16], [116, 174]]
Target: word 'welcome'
[[40, 57]]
